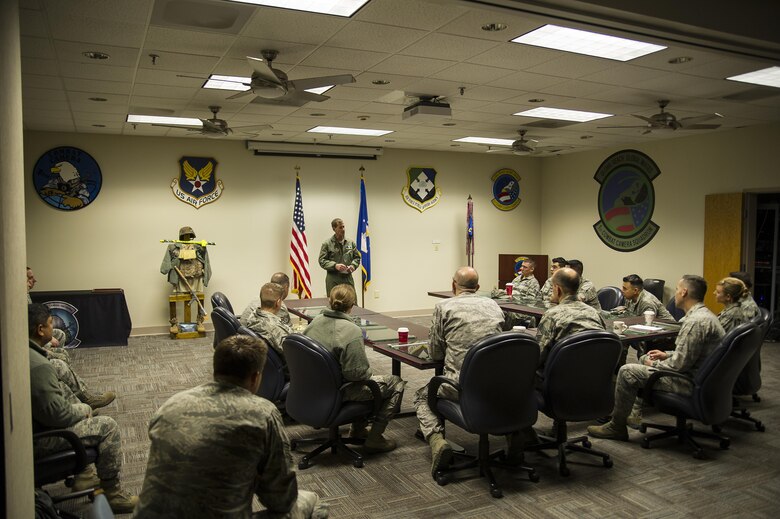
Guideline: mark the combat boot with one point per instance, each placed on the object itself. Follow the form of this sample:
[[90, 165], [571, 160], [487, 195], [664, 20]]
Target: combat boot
[[201, 328], [375, 442], [85, 480], [359, 430], [120, 501], [441, 453], [634, 420], [609, 431], [96, 401]]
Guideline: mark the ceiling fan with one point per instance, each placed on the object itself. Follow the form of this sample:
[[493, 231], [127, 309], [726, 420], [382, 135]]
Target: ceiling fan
[[523, 146], [215, 127], [667, 121], [270, 84]]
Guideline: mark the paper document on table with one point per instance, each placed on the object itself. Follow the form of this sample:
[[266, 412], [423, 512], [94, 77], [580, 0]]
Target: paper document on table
[[645, 328]]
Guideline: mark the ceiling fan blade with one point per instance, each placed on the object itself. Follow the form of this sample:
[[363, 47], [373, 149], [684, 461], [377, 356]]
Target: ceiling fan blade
[[241, 94], [317, 82], [180, 127], [498, 150], [643, 126], [305, 96], [254, 127], [646, 119], [686, 121], [701, 127], [262, 70]]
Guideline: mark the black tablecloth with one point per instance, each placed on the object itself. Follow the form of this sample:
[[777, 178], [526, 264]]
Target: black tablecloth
[[101, 316]]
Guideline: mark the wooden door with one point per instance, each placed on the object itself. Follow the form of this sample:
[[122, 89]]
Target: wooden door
[[723, 223]]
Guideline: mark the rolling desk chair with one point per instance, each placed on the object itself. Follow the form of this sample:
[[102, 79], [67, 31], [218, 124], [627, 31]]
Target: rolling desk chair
[[225, 324], [610, 297]]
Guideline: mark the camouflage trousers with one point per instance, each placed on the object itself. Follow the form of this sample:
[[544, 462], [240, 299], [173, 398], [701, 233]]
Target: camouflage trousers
[[429, 422], [308, 506], [392, 389], [633, 377], [69, 380], [99, 431]]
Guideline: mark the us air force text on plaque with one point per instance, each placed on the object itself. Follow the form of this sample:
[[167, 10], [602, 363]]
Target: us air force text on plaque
[[197, 184], [421, 191], [626, 200]]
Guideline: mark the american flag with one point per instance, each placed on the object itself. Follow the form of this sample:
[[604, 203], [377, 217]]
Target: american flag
[[299, 253]]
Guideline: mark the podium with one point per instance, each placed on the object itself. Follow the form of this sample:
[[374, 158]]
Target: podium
[[186, 329]]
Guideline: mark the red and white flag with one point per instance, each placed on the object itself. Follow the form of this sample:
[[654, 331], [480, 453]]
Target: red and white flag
[[299, 249]]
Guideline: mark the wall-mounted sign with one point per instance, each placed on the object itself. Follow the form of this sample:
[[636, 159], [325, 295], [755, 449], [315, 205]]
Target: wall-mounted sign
[[67, 178], [421, 191], [197, 184], [506, 189], [626, 200]]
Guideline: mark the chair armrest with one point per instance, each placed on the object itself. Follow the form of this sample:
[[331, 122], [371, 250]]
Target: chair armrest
[[372, 385], [70, 437], [433, 390], [647, 390]]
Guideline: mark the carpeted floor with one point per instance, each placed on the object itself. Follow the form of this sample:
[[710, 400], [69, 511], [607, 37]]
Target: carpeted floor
[[664, 481]]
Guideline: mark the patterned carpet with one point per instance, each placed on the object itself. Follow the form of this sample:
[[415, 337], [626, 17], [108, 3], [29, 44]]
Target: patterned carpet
[[664, 481]]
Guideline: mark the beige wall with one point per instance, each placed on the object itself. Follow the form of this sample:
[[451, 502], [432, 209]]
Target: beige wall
[[691, 167], [114, 242]]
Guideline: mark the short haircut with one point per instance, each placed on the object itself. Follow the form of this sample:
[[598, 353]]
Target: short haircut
[[634, 280], [342, 297], [696, 285], [270, 293], [734, 287], [37, 315], [335, 222], [560, 261], [530, 262], [281, 278], [576, 265], [568, 279], [466, 278], [744, 277], [238, 357]]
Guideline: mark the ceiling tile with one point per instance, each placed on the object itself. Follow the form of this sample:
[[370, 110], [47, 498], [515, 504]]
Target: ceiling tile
[[470, 73], [489, 93], [526, 81], [343, 58], [49, 67], [374, 37], [409, 13], [288, 53], [175, 61], [30, 94], [119, 56], [96, 70], [411, 66], [33, 23], [153, 76], [623, 75], [292, 26], [470, 25], [571, 66], [39, 81], [141, 89], [36, 47], [91, 85], [187, 42], [574, 88], [514, 56], [446, 46]]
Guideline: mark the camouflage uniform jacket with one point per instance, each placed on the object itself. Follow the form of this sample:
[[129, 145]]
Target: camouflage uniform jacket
[[699, 334], [458, 324], [333, 253], [646, 301], [733, 315], [212, 447], [171, 260], [343, 338], [283, 314], [525, 290], [269, 327], [50, 408], [545, 293], [588, 294], [749, 305], [569, 316]]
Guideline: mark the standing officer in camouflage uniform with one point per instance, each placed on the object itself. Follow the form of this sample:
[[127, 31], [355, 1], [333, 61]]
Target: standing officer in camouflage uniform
[[339, 256], [337, 333], [747, 302], [192, 259], [458, 324], [52, 410], [587, 292], [265, 321], [280, 278], [546, 291], [214, 446], [730, 292], [699, 335]]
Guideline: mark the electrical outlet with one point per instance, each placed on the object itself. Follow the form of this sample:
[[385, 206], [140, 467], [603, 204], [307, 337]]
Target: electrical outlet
[[376, 294]]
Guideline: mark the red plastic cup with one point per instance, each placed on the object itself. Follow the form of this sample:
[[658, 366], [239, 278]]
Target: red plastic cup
[[403, 335], [509, 287]]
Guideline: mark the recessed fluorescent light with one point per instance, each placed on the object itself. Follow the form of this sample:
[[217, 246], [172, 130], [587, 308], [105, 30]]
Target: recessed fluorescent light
[[485, 140], [767, 77], [161, 119], [335, 7], [349, 131], [589, 43], [562, 115], [227, 82]]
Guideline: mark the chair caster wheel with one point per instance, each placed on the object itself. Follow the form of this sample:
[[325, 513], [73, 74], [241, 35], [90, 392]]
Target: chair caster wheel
[[698, 454], [496, 492], [303, 464], [645, 443], [564, 471], [586, 443], [724, 444], [441, 479], [608, 462], [533, 477], [760, 427], [357, 464]]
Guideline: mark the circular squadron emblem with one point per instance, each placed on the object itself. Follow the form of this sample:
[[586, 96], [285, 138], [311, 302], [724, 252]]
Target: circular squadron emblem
[[67, 178], [506, 189], [626, 200]]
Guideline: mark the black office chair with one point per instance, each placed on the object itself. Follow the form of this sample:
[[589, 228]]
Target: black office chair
[[655, 287], [315, 398], [273, 385], [63, 464], [749, 381], [225, 324], [577, 386], [610, 297], [495, 396], [676, 312], [710, 401], [218, 299]]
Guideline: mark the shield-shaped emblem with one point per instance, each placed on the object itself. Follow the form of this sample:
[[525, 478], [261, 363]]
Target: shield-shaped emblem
[[421, 191], [197, 184]]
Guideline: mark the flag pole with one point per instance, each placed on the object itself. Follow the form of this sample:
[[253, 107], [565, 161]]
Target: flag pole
[[362, 281]]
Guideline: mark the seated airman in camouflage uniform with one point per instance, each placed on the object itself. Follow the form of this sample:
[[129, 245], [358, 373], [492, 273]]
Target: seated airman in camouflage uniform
[[337, 333], [546, 291], [587, 292], [747, 302], [51, 409], [458, 324], [280, 278], [266, 323], [730, 292], [699, 335], [215, 445]]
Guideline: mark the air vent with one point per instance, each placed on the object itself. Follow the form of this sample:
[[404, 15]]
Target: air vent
[[221, 17]]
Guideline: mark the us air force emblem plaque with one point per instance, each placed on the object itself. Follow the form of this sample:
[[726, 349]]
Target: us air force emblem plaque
[[421, 191], [197, 184], [506, 189], [626, 200]]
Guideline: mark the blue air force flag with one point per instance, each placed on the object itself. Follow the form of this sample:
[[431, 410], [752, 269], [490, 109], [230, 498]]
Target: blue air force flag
[[363, 237]]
